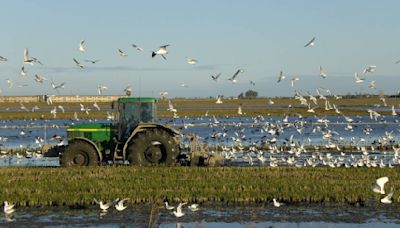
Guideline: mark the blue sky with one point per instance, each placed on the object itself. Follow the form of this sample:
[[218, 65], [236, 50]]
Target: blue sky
[[261, 37]]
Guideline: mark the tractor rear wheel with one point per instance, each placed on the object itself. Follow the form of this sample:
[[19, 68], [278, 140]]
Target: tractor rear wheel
[[79, 154], [154, 146]]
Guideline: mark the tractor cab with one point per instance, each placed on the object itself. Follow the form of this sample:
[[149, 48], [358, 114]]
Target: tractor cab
[[132, 111]]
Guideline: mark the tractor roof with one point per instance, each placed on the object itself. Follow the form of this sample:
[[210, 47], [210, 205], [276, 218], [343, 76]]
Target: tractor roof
[[137, 99]]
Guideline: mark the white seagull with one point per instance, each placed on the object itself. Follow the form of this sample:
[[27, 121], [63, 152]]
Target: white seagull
[[388, 199], [276, 203], [215, 77], [168, 207], [27, 60], [233, 78], [92, 61], [104, 207], [120, 205], [122, 53], [322, 73], [379, 185], [191, 61], [3, 59], [77, 63], [369, 69], [194, 207], [23, 71], [100, 89], [161, 51], [8, 208], [281, 77], [178, 213], [358, 79], [310, 43], [137, 47], [294, 79], [39, 79], [81, 47]]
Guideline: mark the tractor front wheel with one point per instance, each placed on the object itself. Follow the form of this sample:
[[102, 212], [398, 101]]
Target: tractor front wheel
[[153, 147], [79, 154]]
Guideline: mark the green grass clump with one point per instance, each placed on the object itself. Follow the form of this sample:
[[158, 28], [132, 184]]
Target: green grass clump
[[77, 186]]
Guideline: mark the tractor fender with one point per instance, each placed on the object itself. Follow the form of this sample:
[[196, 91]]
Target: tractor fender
[[143, 127], [91, 143]]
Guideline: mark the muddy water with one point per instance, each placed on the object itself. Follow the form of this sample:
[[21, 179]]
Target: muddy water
[[210, 216]]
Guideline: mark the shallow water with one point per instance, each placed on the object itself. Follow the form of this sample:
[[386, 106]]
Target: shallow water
[[210, 216]]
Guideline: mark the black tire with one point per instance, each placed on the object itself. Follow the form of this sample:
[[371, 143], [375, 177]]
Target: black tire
[[79, 153], [154, 146]]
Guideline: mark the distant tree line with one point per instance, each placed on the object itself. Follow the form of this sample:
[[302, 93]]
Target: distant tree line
[[249, 94]]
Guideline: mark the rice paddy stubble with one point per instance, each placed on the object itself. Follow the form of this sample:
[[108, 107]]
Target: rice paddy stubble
[[78, 186]]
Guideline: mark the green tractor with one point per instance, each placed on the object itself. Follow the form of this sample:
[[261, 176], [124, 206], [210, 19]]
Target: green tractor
[[135, 138]]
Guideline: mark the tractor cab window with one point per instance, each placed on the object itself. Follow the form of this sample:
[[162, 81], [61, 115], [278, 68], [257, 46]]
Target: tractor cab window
[[133, 113]]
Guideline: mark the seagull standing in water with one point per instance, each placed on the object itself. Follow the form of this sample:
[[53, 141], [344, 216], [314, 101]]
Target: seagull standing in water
[[8, 208], [120, 205], [168, 207], [178, 213], [104, 207], [161, 51], [276, 203]]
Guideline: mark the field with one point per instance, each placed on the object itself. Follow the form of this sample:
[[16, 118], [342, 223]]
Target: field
[[199, 107], [78, 186]]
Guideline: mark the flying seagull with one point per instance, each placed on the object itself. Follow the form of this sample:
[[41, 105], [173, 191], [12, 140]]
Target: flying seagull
[[100, 89], [3, 59], [121, 53], [161, 51], [281, 77], [322, 73], [233, 78], [137, 47], [358, 79], [369, 69], [39, 79], [310, 43], [191, 61], [81, 47], [27, 60], [215, 77], [92, 61], [78, 63], [128, 90], [379, 185]]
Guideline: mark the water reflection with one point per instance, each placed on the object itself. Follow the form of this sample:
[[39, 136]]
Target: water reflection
[[212, 216]]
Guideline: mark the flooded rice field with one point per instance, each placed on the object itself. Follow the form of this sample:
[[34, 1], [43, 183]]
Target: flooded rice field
[[300, 141], [209, 216]]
